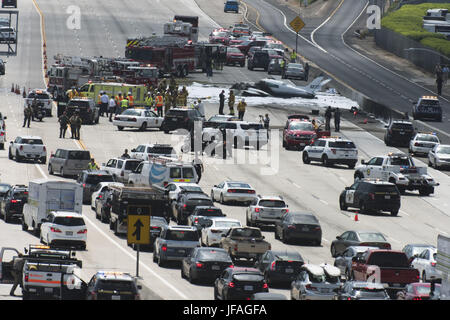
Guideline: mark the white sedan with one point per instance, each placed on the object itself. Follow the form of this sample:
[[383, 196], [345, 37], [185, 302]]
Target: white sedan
[[212, 235], [423, 143], [233, 191], [426, 264], [63, 228], [439, 156], [137, 118], [176, 187]]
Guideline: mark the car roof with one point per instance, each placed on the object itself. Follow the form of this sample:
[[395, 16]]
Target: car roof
[[376, 181], [362, 284], [270, 197], [29, 137], [67, 214], [362, 248], [269, 296], [402, 121], [114, 275], [224, 219], [237, 182], [181, 228], [245, 270], [206, 207], [285, 252], [96, 172], [197, 195]]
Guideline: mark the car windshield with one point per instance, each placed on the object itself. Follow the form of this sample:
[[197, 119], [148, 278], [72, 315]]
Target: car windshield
[[209, 212], [288, 256], [272, 52], [39, 96], [342, 144], [388, 259], [213, 255], [69, 221], [427, 137], [131, 165], [176, 113], [425, 289], [443, 149], [160, 150], [193, 189], [4, 188], [242, 232], [227, 224], [306, 219], [233, 50], [386, 188], [304, 126], [220, 34], [317, 278], [199, 202], [278, 46], [272, 203], [118, 285], [371, 236], [32, 141], [238, 185], [181, 235], [158, 221], [94, 179], [253, 277], [402, 126], [369, 293], [79, 155], [401, 161], [21, 194], [131, 113]]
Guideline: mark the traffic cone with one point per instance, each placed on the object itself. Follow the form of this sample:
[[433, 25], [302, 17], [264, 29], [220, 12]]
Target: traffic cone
[[17, 89], [356, 216], [12, 88], [24, 94], [365, 121]]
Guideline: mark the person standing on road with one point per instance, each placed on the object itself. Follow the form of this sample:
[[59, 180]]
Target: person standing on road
[[167, 101], [17, 271], [111, 108], [130, 99], [124, 104], [27, 114], [231, 102], [328, 119], [125, 155], [282, 67], [118, 103], [104, 99], [241, 109], [148, 101], [337, 120], [92, 165], [306, 71], [221, 101], [201, 107], [293, 56], [75, 125], [159, 104], [63, 122]]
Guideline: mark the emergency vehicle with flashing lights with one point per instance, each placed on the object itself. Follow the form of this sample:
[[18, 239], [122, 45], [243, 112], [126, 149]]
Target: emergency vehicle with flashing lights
[[400, 169], [427, 107], [300, 132], [330, 151], [42, 97], [113, 285]]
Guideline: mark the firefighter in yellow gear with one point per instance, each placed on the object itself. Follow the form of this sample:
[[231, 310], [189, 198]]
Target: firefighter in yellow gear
[[92, 165], [180, 99], [167, 101], [293, 56], [124, 104], [185, 94], [231, 99], [148, 101]]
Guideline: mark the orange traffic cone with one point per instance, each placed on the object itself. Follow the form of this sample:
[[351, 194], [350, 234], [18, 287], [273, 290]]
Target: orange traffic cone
[[356, 216], [365, 121], [12, 88], [17, 91]]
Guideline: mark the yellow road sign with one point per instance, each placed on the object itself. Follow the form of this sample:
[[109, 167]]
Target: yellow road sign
[[297, 24], [138, 229]]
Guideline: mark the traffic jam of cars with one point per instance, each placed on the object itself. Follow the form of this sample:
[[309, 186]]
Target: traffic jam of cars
[[190, 226]]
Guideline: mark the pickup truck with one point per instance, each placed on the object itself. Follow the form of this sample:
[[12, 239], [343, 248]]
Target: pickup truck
[[399, 169], [28, 147], [244, 242], [42, 97], [389, 267]]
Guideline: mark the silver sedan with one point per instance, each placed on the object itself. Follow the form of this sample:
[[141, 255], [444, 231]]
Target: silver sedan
[[439, 156]]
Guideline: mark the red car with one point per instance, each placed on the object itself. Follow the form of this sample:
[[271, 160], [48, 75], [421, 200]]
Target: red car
[[247, 44], [219, 36], [418, 291], [235, 56], [299, 133]]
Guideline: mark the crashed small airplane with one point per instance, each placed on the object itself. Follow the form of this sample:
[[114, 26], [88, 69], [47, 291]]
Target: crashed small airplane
[[277, 88]]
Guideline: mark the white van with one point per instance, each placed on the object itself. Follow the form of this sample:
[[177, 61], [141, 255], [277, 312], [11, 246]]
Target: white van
[[160, 172]]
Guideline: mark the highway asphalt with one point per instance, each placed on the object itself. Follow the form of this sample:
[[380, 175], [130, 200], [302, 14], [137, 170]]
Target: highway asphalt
[[310, 188]]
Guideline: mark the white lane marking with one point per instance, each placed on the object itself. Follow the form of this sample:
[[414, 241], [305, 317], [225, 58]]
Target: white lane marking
[[404, 212], [134, 258], [297, 185], [323, 201], [325, 240], [322, 24], [41, 171]]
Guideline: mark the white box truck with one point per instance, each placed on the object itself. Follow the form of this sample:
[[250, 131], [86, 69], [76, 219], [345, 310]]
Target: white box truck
[[50, 195]]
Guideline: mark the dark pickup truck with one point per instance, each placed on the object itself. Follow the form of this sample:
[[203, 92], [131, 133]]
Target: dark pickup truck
[[393, 266]]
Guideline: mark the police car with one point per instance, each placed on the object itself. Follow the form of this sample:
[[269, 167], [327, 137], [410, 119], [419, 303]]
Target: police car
[[427, 107], [331, 150], [423, 143], [113, 285]]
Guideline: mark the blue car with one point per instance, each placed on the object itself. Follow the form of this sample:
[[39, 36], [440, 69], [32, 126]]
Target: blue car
[[231, 5]]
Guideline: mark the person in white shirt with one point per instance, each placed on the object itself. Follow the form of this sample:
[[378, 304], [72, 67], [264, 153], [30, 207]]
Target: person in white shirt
[[104, 99], [111, 108]]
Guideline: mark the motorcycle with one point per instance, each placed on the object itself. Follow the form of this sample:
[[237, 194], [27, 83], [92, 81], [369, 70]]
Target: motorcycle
[[38, 112]]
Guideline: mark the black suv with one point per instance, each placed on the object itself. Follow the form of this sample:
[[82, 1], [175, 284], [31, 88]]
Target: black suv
[[13, 201], [259, 59], [185, 204], [2, 67], [201, 214], [88, 111], [180, 118], [399, 133], [89, 179], [111, 285], [428, 107], [368, 195]]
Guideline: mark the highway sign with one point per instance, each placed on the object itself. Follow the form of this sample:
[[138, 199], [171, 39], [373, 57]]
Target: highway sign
[[297, 24], [138, 229]]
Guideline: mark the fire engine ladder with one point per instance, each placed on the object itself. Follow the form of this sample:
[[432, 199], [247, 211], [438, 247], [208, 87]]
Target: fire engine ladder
[[165, 41]]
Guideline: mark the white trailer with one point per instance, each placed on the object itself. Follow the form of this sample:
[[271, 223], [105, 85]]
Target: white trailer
[[50, 195]]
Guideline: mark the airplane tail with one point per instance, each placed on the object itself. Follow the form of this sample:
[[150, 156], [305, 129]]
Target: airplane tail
[[316, 84]]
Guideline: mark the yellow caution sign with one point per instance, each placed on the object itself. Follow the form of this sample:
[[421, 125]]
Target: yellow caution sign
[[138, 229], [297, 24]]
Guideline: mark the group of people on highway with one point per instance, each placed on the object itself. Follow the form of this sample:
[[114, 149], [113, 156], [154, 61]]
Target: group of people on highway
[[241, 106], [337, 119]]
